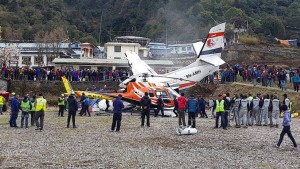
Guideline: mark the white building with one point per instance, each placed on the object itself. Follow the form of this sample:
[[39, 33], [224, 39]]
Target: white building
[[36, 54], [116, 50]]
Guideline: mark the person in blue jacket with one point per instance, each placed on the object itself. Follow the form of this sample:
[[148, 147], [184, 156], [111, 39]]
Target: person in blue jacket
[[286, 127], [15, 108], [117, 117], [192, 107]]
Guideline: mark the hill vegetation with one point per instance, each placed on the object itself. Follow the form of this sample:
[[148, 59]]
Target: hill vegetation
[[177, 20]]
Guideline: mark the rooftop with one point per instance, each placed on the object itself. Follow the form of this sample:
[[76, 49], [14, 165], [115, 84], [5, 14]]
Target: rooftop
[[108, 61]]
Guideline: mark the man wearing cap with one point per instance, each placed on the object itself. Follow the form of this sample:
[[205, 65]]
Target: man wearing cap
[[117, 117], [73, 107], [40, 108], [61, 105]]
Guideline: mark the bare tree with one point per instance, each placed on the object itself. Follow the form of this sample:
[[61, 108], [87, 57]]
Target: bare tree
[[9, 54], [50, 43]]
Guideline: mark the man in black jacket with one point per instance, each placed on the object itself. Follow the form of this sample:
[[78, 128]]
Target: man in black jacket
[[160, 106], [73, 106], [145, 103]]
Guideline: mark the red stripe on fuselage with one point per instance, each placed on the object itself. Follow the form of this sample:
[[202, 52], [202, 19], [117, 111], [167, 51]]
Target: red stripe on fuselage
[[186, 85], [214, 35]]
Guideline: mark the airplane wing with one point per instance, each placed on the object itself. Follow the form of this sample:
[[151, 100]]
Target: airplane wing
[[137, 65], [212, 59]]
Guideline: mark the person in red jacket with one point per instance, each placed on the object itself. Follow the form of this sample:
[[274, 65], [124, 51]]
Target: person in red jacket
[[181, 109]]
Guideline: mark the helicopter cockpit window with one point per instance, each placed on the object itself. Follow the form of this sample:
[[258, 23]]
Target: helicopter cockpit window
[[151, 94], [162, 92]]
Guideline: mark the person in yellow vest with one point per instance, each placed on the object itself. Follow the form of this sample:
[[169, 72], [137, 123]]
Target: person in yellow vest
[[220, 109], [40, 108], [1, 103], [25, 107], [61, 105], [32, 110]]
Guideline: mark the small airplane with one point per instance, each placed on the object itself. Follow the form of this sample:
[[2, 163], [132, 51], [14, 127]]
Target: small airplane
[[133, 94], [208, 61]]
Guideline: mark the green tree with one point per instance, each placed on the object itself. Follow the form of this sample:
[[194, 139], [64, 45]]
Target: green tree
[[273, 26], [234, 12]]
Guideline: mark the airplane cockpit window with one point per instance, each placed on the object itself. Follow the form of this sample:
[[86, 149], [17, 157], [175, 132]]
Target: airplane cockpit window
[[161, 92]]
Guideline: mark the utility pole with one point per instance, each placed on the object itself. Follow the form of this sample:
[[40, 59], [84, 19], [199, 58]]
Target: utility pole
[[100, 29]]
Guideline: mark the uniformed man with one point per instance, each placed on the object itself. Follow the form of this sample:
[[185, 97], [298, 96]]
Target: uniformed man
[[220, 109], [32, 110], [2, 101], [61, 105], [255, 111], [211, 103], [265, 110], [235, 110], [244, 108], [276, 106], [40, 109], [286, 101], [25, 107]]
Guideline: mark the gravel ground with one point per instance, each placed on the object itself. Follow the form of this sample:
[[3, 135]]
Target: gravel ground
[[93, 145]]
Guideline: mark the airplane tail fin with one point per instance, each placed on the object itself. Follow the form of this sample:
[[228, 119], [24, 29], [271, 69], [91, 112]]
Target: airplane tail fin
[[213, 46], [67, 85]]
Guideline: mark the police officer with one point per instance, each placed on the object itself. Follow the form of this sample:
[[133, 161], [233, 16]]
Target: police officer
[[244, 108], [219, 107], [2, 100], [15, 108], [255, 111], [145, 103], [192, 108], [73, 107], [275, 112], [286, 101], [32, 110], [40, 108], [235, 110], [265, 110], [61, 105]]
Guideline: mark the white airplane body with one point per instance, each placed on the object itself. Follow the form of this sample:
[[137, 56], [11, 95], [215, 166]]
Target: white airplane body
[[208, 61]]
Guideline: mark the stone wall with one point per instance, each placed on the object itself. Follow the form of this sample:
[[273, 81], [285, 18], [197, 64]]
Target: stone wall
[[53, 89]]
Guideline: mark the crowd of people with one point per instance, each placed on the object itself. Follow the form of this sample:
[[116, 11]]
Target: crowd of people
[[264, 74], [72, 75]]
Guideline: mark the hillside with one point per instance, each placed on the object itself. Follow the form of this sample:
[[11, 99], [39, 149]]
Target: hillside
[[182, 20]]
